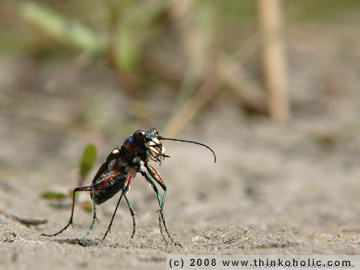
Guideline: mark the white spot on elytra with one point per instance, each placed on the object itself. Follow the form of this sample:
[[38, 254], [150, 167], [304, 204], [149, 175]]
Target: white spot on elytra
[[115, 151]]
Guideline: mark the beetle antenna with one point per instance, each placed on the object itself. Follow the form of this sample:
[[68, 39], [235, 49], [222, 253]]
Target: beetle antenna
[[187, 141]]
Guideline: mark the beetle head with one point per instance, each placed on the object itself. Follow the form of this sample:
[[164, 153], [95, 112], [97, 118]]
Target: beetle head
[[149, 140]]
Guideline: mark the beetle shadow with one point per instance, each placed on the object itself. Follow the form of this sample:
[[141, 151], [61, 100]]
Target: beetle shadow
[[78, 241]]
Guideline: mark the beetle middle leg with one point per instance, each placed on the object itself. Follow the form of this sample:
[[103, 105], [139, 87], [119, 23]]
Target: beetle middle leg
[[132, 212], [124, 190], [113, 216], [132, 215]]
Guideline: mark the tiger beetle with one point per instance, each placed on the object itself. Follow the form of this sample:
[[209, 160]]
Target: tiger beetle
[[118, 170]]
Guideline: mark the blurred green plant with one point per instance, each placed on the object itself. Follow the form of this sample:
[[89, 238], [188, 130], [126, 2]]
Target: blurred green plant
[[124, 34], [87, 161], [67, 30], [204, 40], [118, 33], [117, 37], [53, 195]]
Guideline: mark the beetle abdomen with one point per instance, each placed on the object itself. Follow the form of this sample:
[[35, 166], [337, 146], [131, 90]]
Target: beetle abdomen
[[102, 195], [107, 189]]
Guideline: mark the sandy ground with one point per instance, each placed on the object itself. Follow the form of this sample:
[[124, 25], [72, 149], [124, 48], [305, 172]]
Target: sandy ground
[[275, 189]]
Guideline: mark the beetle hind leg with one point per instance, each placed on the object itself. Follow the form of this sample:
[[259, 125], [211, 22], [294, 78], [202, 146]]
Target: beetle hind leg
[[84, 188], [94, 215]]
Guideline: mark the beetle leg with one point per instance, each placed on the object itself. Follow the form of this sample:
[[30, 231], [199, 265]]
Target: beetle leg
[[128, 179], [132, 212], [84, 188], [113, 216], [150, 175], [94, 214], [125, 187]]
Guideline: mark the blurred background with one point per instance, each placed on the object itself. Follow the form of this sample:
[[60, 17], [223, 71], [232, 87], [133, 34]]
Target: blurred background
[[271, 86]]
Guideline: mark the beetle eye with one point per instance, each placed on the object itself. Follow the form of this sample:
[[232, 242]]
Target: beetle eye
[[139, 135], [155, 131]]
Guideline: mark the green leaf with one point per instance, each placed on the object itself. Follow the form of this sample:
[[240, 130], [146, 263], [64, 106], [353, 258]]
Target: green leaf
[[145, 13], [68, 31], [127, 49], [87, 160], [132, 30], [53, 195]]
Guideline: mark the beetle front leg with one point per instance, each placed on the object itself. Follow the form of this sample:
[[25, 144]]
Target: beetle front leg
[[150, 175], [153, 173]]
